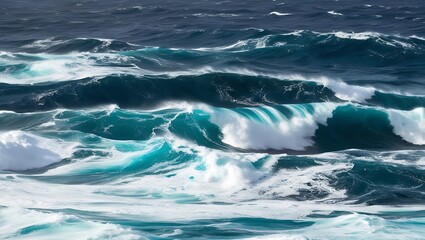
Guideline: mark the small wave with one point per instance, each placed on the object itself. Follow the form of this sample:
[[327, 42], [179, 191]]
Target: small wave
[[417, 37], [129, 10], [279, 14], [335, 13], [357, 36], [53, 45], [44, 43], [225, 15]]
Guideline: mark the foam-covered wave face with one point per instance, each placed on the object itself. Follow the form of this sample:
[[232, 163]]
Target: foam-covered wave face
[[22, 151], [270, 128], [322, 126], [410, 125]]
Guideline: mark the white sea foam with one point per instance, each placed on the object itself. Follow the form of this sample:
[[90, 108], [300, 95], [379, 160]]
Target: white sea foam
[[50, 42], [55, 226], [363, 226], [414, 158], [22, 151], [357, 36], [212, 176], [189, 181], [56, 68], [289, 182], [45, 43]]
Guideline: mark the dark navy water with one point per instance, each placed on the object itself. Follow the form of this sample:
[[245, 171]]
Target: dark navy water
[[212, 119]]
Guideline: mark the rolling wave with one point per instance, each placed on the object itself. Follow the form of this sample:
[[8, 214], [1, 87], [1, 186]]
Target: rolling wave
[[318, 127]]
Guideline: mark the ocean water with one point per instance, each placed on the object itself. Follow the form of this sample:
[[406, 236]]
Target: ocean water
[[277, 119]]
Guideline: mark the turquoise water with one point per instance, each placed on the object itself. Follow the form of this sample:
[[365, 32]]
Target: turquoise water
[[212, 120]]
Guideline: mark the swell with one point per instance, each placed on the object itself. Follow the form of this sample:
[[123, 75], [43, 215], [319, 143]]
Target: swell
[[297, 40], [218, 89]]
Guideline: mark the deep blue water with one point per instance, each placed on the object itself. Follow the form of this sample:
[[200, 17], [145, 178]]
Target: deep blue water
[[212, 119]]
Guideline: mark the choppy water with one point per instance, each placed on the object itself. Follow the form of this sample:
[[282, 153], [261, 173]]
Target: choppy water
[[212, 119]]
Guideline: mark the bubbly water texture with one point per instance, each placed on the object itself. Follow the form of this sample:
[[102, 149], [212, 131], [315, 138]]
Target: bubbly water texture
[[212, 119]]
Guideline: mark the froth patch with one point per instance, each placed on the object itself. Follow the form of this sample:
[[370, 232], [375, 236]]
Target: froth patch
[[67, 67], [23, 151]]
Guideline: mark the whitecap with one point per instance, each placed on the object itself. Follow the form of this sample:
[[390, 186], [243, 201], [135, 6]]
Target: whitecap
[[357, 36], [45, 43], [280, 14], [56, 68], [335, 13], [215, 15], [417, 37]]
